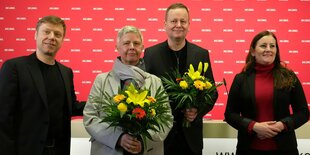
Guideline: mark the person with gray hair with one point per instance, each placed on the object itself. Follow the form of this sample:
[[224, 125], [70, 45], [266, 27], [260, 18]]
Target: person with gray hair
[[129, 65]]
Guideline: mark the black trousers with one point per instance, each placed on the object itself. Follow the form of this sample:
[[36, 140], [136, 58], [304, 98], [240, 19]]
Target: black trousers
[[53, 151], [176, 144], [56, 148]]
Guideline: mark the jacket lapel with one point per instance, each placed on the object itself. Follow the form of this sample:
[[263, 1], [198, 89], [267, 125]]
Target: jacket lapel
[[36, 74], [114, 82], [251, 88], [190, 55], [66, 79]]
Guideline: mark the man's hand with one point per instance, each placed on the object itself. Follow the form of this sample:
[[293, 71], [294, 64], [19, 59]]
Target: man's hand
[[190, 114]]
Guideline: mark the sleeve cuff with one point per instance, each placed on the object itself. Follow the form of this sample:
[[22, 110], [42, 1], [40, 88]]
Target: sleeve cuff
[[285, 126], [250, 127]]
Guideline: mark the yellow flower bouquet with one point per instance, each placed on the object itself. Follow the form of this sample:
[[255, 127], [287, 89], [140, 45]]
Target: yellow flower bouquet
[[192, 89], [136, 112]]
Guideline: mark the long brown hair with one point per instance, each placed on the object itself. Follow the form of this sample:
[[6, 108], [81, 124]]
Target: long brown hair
[[283, 77]]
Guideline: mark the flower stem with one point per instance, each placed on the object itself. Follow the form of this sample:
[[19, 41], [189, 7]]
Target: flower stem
[[186, 123]]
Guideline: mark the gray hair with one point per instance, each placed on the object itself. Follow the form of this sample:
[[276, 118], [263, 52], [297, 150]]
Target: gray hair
[[128, 29]]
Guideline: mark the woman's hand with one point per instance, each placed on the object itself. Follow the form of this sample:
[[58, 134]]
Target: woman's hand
[[268, 129], [130, 144]]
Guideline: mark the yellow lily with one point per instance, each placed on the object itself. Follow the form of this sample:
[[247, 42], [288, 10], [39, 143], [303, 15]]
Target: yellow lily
[[208, 85], [199, 67], [135, 97], [206, 65], [192, 73]]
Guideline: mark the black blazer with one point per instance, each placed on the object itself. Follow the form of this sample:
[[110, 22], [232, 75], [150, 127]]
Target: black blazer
[[240, 111], [24, 117], [157, 60]]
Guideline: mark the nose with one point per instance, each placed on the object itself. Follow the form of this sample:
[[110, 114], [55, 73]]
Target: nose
[[51, 35], [131, 46], [178, 23]]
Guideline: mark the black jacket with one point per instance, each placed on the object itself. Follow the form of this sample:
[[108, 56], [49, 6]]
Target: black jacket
[[24, 117], [158, 61], [241, 110]]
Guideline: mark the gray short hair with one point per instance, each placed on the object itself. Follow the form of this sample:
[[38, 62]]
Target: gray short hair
[[128, 29]]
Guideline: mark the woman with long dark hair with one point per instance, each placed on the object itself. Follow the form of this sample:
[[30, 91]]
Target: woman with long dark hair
[[266, 102]]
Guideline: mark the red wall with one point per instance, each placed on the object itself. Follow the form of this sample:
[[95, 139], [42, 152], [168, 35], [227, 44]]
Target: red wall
[[224, 27]]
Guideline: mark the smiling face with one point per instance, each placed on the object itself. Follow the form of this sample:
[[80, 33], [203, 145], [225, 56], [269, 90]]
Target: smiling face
[[265, 50], [130, 47], [49, 38], [177, 24]]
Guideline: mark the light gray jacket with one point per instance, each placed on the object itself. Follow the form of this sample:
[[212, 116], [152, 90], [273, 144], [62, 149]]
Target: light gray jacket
[[103, 139]]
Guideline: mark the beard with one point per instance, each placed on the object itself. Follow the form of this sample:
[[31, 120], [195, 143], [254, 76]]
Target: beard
[[50, 50], [49, 54]]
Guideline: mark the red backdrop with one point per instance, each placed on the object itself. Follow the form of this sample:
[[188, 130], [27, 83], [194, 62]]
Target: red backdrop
[[224, 27]]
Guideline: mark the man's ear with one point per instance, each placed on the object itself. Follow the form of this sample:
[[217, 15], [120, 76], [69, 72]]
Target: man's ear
[[35, 35]]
